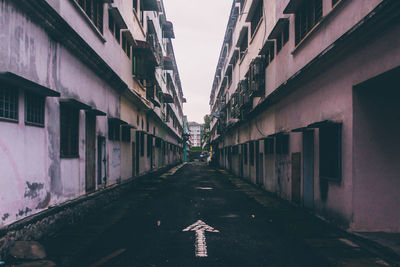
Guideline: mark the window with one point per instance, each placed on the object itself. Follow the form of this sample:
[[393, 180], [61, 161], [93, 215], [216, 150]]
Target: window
[[135, 5], [114, 28], [282, 38], [126, 134], [251, 150], [114, 130], [244, 44], [257, 16], [8, 103], [69, 132], [34, 109], [282, 144], [330, 152], [94, 10], [307, 16], [241, 4], [269, 146], [126, 46]]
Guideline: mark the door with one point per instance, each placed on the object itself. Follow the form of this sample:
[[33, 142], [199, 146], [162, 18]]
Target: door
[[134, 159], [101, 160], [137, 165], [258, 163], [296, 177], [90, 153], [308, 169]]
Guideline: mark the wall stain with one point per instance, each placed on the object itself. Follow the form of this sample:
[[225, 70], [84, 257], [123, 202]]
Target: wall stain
[[45, 203], [5, 216], [32, 190], [23, 212]]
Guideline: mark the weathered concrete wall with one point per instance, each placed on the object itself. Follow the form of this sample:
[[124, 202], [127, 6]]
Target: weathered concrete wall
[[34, 174]]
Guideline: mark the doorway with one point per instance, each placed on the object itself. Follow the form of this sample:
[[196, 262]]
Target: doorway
[[101, 160], [90, 153], [296, 177], [308, 169], [133, 159]]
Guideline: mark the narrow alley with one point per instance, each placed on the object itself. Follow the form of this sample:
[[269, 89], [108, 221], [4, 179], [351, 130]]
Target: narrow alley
[[145, 228]]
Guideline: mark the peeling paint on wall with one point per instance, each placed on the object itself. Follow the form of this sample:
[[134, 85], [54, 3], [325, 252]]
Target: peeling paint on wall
[[45, 203], [32, 190], [5, 216]]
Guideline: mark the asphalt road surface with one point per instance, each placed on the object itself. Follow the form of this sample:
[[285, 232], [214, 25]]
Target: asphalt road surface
[[227, 223]]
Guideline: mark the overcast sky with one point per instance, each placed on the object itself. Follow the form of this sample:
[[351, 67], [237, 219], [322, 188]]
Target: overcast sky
[[199, 30]]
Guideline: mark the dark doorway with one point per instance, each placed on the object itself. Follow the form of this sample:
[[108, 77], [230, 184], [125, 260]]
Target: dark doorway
[[296, 177], [259, 175], [101, 160], [134, 159], [90, 153], [138, 145], [308, 169]]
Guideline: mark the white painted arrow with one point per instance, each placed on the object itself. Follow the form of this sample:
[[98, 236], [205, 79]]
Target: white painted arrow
[[200, 227]]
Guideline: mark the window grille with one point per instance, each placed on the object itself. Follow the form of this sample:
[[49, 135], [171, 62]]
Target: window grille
[[94, 10], [34, 108], [8, 103], [307, 16]]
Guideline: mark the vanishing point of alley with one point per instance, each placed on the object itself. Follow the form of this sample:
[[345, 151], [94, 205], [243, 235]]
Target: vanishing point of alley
[[199, 216]]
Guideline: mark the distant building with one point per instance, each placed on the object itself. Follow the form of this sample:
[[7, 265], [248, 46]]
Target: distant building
[[196, 131]]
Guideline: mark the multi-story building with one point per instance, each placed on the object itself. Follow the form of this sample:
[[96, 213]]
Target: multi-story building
[[196, 131], [90, 96], [305, 103]]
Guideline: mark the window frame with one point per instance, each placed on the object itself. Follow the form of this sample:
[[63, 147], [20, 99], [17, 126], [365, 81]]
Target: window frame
[[13, 93], [326, 155], [69, 121], [28, 108], [306, 14]]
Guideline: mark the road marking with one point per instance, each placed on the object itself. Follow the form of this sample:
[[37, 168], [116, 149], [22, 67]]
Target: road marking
[[349, 243], [200, 228], [204, 188]]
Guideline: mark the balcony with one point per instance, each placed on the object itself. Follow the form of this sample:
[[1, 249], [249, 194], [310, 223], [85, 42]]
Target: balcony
[[168, 30]]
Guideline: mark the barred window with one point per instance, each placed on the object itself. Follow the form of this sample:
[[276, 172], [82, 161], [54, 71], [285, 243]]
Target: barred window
[[8, 103], [114, 28], [307, 16], [69, 132], [257, 16], [94, 10], [34, 109], [114, 130]]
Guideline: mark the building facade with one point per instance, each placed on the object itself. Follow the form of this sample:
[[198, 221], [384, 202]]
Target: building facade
[[90, 96], [196, 132], [303, 104]]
